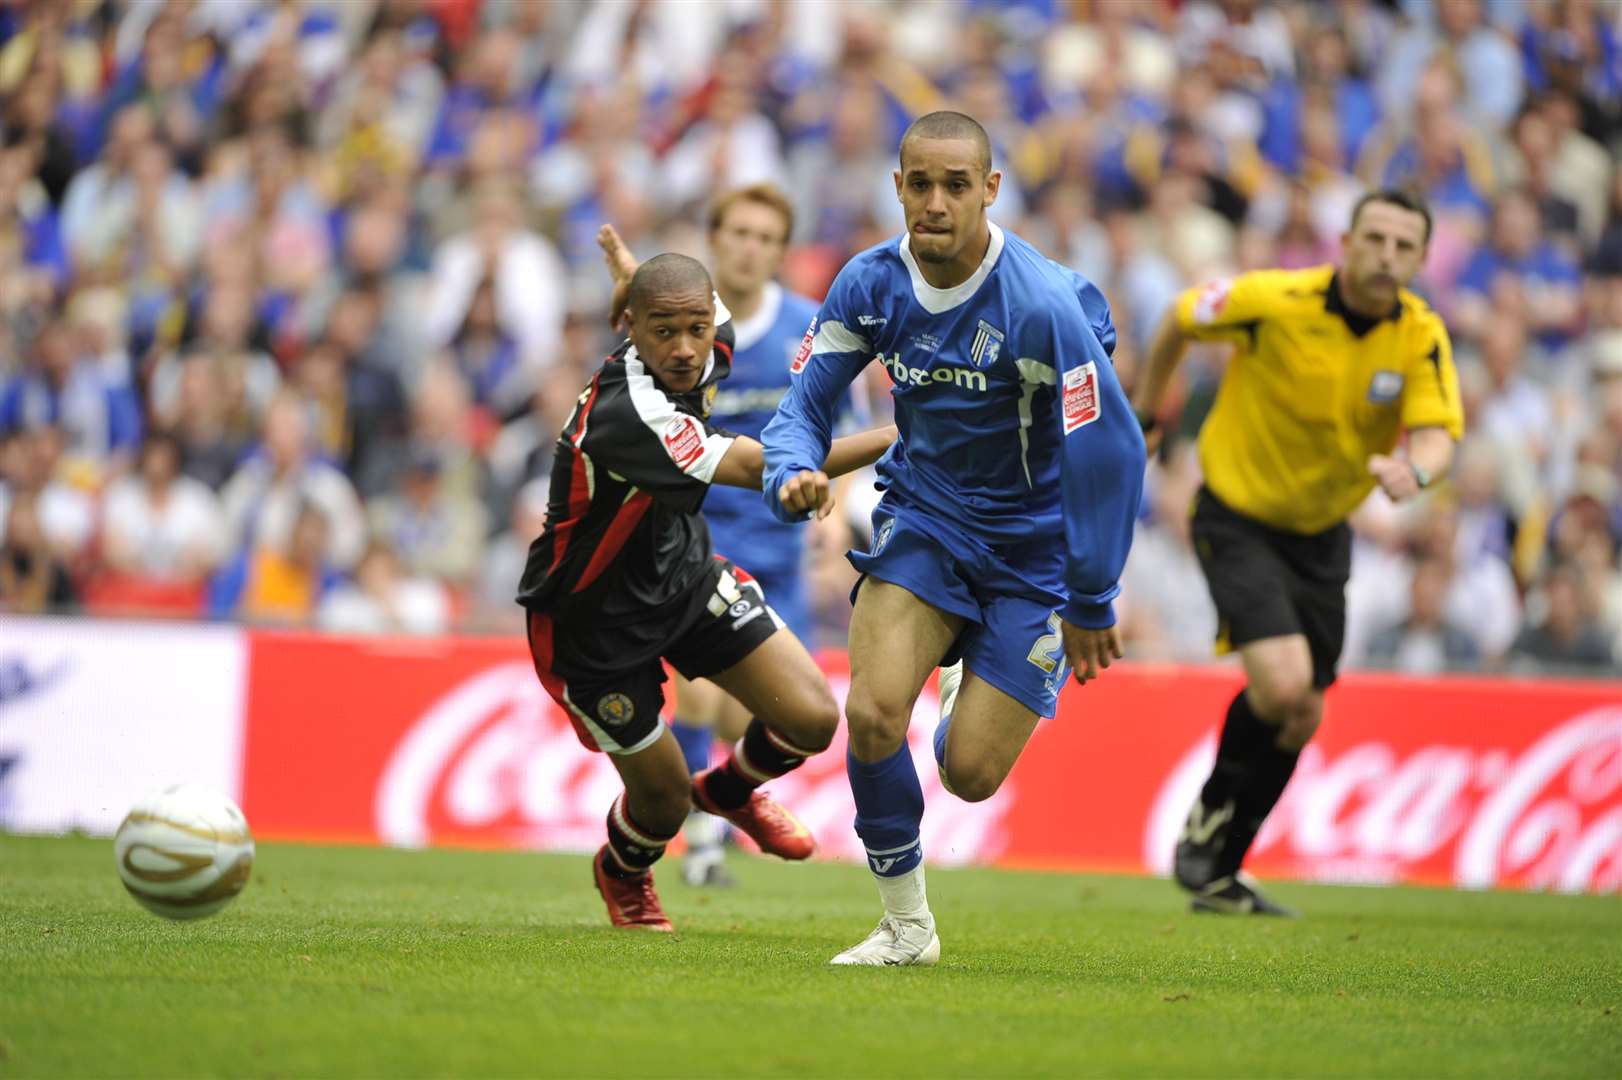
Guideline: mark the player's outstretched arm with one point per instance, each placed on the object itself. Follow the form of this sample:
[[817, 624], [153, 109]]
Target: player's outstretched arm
[[808, 491], [835, 350], [621, 267]]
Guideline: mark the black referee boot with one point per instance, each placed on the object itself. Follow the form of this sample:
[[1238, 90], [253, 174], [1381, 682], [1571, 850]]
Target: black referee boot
[[1236, 895], [1205, 834]]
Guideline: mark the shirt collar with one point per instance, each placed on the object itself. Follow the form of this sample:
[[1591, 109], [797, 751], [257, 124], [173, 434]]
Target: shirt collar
[[1357, 323]]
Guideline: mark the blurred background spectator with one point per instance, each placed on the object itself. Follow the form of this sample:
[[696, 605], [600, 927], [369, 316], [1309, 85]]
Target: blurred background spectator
[[295, 294]]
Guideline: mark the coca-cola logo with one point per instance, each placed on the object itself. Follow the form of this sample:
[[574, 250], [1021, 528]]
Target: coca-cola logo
[[493, 761], [1549, 817]]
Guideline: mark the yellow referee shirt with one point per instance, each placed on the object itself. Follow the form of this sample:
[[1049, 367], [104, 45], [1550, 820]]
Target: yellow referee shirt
[[1312, 391]]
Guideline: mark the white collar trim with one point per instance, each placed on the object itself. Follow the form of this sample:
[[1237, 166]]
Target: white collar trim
[[935, 300], [752, 329]]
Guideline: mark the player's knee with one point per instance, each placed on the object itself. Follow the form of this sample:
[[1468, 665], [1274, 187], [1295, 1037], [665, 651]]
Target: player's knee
[[1302, 724], [972, 782], [1281, 697], [876, 729]]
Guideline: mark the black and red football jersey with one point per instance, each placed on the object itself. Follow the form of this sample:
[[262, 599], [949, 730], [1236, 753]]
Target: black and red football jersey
[[624, 539]]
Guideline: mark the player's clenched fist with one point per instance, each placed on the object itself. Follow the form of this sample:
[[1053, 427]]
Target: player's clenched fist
[[1089, 651], [807, 492]]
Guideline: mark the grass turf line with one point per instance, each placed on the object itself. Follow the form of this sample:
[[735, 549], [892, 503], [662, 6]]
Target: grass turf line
[[354, 961]]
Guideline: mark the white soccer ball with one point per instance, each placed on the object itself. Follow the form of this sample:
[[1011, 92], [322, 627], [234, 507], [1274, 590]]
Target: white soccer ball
[[184, 852]]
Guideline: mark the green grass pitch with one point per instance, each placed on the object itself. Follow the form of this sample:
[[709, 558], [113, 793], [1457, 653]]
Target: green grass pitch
[[361, 962]]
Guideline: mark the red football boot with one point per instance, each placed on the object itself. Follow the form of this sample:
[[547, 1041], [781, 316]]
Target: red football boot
[[632, 903], [767, 823]]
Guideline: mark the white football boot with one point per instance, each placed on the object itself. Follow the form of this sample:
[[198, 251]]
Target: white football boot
[[895, 942]]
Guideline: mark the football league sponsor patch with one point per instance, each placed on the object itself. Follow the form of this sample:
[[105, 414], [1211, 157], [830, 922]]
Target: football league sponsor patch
[[1211, 300], [804, 354], [684, 442], [1080, 396]]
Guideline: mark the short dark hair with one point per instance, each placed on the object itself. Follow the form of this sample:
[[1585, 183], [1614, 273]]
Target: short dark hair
[[1400, 197], [946, 124], [665, 274]]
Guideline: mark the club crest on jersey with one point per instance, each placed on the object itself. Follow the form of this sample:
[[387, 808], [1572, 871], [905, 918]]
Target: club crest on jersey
[[684, 442], [882, 537], [804, 353], [1080, 396], [709, 398], [615, 709], [1385, 387], [986, 346]]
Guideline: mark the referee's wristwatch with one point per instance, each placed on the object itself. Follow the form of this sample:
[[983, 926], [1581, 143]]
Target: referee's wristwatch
[[1421, 477]]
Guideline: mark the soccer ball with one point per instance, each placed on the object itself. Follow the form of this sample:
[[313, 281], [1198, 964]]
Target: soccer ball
[[184, 852]]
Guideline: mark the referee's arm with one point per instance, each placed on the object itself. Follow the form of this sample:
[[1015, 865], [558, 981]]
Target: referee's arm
[[1166, 351], [1428, 457]]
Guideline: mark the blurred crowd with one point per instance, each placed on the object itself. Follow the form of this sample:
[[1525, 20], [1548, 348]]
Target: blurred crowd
[[295, 295]]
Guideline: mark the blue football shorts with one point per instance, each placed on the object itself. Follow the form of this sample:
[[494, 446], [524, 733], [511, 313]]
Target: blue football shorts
[[1007, 592]]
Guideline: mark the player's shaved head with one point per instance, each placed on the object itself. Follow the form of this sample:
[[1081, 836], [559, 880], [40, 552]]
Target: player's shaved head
[[949, 126], [667, 275]]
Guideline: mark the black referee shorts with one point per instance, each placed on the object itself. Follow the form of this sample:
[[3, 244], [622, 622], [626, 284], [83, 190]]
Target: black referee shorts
[[1266, 582]]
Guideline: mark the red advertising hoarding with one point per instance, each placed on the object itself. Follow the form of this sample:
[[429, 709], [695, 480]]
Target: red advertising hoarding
[[1475, 782]]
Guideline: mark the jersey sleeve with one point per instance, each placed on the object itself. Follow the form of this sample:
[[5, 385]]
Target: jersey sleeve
[[1430, 394], [1098, 315], [1221, 310], [1101, 466], [636, 431], [833, 352]]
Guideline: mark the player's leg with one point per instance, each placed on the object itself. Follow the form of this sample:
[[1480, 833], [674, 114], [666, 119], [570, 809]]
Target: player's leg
[[910, 608], [896, 642], [618, 713], [738, 644], [1013, 670], [988, 730], [645, 818], [705, 713], [699, 707], [733, 720]]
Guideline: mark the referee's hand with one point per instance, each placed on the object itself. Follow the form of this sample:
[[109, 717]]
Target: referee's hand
[[1089, 651], [807, 492], [1395, 476]]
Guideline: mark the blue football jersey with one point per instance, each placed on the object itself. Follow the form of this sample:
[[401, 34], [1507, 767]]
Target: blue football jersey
[[1012, 422], [766, 344]]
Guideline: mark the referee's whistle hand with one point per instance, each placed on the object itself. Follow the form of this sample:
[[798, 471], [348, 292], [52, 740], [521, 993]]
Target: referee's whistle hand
[[1395, 476], [1090, 651], [807, 492]]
